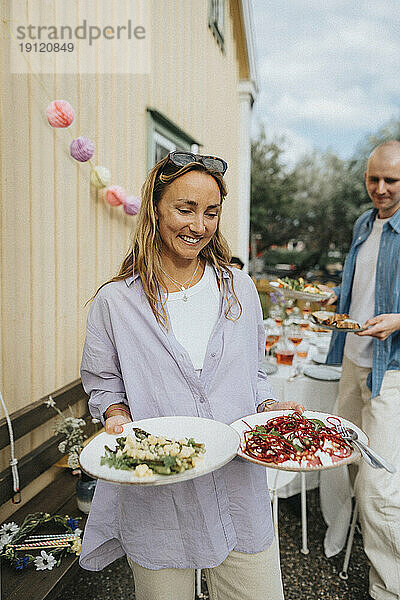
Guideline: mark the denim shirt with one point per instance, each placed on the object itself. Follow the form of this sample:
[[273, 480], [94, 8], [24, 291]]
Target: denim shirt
[[128, 357], [386, 353]]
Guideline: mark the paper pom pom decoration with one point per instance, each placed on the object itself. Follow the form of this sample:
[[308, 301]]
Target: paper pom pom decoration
[[116, 195], [82, 148], [60, 113], [100, 177], [132, 205]]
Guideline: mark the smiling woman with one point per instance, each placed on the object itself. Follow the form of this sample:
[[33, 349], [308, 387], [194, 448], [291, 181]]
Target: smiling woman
[[178, 229], [187, 216], [178, 332]]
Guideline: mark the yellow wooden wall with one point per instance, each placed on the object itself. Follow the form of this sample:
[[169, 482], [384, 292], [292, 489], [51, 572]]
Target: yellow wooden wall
[[59, 240]]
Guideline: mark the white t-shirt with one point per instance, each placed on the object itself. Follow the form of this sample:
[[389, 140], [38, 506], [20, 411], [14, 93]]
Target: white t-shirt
[[193, 321], [359, 349]]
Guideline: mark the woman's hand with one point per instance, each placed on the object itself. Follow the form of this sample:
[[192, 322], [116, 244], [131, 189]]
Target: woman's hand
[[114, 423], [381, 326], [290, 405]]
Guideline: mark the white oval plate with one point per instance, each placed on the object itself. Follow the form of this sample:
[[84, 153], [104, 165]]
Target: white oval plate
[[300, 295], [323, 372], [220, 440], [262, 418]]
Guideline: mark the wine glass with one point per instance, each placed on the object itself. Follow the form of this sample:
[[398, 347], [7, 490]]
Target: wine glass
[[276, 314], [285, 351], [302, 350], [306, 310], [272, 336], [295, 334], [289, 306], [304, 324]]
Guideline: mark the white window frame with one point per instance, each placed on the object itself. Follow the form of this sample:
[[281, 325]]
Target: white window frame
[[163, 132]]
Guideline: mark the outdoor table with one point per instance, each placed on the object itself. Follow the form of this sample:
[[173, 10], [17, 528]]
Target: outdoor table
[[334, 484]]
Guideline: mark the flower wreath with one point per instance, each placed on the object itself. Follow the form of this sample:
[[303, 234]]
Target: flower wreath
[[11, 534]]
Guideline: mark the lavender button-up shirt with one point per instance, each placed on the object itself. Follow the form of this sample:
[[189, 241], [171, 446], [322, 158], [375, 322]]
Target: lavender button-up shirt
[[128, 357]]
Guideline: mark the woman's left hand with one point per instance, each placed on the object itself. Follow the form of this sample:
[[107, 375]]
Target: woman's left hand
[[291, 405]]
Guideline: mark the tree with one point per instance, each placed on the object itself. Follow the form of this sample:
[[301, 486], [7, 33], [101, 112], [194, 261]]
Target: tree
[[316, 202], [272, 189], [329, 196]]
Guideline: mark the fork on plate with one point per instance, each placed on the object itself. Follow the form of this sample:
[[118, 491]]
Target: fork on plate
[[371, 457]]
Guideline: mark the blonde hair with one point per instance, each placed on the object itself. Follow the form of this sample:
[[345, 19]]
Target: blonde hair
[[144, 256]]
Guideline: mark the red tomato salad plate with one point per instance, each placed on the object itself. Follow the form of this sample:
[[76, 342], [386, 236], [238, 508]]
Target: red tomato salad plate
[[283, 439]]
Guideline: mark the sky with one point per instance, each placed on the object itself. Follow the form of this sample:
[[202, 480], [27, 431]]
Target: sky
[[328, 71]]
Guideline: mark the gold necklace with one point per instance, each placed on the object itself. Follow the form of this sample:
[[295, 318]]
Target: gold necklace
[[181, 286]]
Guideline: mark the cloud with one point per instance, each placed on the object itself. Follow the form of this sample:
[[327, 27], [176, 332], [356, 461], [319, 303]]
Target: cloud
[[331, 66], [294, 145]]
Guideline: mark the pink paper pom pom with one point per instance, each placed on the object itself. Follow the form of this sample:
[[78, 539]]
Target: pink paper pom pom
[[82, 149], [60, 113], [132, 205], [115, 195]]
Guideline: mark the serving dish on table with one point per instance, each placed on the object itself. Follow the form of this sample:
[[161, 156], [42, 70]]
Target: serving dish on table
[[299, 289], [336, 322], [310, 461], [220, 442]]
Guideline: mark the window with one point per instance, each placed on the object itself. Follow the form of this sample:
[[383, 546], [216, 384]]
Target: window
[[164, 137], [216, 20], [162, 146]]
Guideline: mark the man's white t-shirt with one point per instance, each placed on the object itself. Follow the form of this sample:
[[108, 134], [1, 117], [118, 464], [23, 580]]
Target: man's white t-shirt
[[359, 349], [193, 321]]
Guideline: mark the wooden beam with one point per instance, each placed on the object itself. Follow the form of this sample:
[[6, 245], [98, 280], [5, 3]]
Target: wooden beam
[[34, 464], [28, 418]]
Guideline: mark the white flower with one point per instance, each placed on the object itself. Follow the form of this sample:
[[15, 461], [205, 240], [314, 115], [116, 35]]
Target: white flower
[[45, 561], [4, 540], [9, 528], [50, 403], [94, 420], [78, 532], [62, 446], [73, 461], [76, 546]]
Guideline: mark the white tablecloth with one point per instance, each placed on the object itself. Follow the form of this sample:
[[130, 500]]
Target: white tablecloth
[[335, 490]]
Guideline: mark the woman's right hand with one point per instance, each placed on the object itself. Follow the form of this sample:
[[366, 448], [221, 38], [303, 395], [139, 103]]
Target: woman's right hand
[[114, 423]]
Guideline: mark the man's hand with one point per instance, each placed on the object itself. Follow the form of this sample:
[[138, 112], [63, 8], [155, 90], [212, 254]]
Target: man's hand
[[114, 423], [332, 299], [381, 326]]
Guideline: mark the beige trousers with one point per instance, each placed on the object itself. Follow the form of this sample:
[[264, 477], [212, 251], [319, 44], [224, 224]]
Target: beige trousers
[[377, 491], [240, 577]]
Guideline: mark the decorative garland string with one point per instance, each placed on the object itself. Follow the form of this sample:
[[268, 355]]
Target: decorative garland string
[[60, 114]]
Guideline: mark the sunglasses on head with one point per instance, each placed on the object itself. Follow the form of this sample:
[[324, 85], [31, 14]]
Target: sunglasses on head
[[212, 163]]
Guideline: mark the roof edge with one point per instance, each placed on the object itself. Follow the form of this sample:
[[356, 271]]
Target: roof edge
[[248, 23]]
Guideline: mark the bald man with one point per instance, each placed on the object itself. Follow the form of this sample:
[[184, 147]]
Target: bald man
[[369, 389]]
